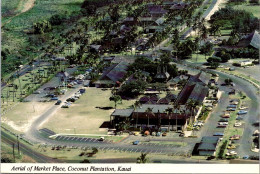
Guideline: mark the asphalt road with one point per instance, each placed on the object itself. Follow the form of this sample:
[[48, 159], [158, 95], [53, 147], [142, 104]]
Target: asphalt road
[[38, 157]]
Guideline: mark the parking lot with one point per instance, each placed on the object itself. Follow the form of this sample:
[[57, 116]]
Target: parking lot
[[81, 139]]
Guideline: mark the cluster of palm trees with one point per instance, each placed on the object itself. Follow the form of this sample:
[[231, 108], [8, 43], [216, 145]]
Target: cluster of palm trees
[[189, 111]]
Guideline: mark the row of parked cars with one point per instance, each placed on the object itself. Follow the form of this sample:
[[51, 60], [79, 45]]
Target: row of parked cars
[[72, 99]]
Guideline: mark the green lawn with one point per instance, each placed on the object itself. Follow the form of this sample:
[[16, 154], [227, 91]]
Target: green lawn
[[198, 58], [83, 114], [254, 9]]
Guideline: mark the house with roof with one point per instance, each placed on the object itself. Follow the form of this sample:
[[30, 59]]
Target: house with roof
[[113, 75], [156, 10], [202, 78], [178, 6], [146, 21], [250, 41], [208, 146], [149, 99], [162, 74], [130, 21], [193, 91], [153, 29]]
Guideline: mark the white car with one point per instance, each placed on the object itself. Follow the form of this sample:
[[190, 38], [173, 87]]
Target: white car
[[238, 124]]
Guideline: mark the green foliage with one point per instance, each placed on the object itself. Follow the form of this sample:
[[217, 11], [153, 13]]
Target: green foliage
[[213, 59], [228, 81], [204, 114], [116, 99], [42, 27], [56, 19], [94, 150], [222, 149], [207, 48], [241, 20], [132, 89], [142, 158], [85, 161]]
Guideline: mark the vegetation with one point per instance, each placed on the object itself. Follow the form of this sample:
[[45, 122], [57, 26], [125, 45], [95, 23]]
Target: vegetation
[[222, 149], [142, 158]]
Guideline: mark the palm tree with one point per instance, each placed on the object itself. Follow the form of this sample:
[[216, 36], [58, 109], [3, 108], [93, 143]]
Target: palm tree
[[169, 111], [148, 112], [142, 158], [116, 99], [176, 111], [136, 105]]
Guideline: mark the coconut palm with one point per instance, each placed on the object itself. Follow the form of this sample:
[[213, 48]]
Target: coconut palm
[[148, 112], [136, 105], [169, 111]]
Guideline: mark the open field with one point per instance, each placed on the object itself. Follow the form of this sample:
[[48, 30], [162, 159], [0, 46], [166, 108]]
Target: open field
[[83, 114], [254, 9], [24, 113]]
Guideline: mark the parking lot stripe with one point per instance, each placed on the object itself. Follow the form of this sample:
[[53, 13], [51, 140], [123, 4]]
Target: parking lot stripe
[[72, 138]]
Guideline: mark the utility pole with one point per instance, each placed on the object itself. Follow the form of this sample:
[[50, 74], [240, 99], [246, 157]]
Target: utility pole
[[18, 145], [13, 153]]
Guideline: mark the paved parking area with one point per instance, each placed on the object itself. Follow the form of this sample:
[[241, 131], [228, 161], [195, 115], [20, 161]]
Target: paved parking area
[[81, 139]]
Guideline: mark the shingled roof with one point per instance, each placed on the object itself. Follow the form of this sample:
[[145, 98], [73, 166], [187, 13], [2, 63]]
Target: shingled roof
[[122, 112], [200, 77], [253, 39], [115, 72], [191, 91]]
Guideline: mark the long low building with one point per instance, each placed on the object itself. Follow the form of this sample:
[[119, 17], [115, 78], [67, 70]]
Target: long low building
[[153, 115]]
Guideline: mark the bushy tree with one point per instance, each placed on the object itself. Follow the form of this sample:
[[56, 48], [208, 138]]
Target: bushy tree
[[132, 89]]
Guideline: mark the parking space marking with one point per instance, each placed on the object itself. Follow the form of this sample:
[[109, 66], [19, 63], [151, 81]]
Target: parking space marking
[[72, 138]]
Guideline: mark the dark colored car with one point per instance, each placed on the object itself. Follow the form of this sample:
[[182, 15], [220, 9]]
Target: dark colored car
[[70, 100], [218, 134], [239, 118], [223, 120], [136, 142], [54, 98], [58, 102]]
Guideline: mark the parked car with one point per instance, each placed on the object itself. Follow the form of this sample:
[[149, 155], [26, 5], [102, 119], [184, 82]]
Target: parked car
[[58, 102], [101, 139], [237, 124], [232, 106], [243, 107], [54, 98], [158, 134], [239, 118], [235, 137], [223, 120], [65, 106], [136, 142], [164, 134], [37, 92], [218, 134], [231, 109], [242, 112], [181, 134], [225, 116], [222, 123], [246, 157], [70, 100], [221, 126]]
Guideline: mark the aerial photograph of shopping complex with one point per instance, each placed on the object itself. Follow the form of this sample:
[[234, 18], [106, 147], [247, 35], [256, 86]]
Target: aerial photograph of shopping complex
[[130, 81]]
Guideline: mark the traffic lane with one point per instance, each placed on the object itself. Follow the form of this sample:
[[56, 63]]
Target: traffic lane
[[33, 133], [38, 157]]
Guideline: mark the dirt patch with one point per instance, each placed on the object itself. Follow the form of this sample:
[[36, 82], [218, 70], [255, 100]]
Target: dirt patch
[[28, 5]]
